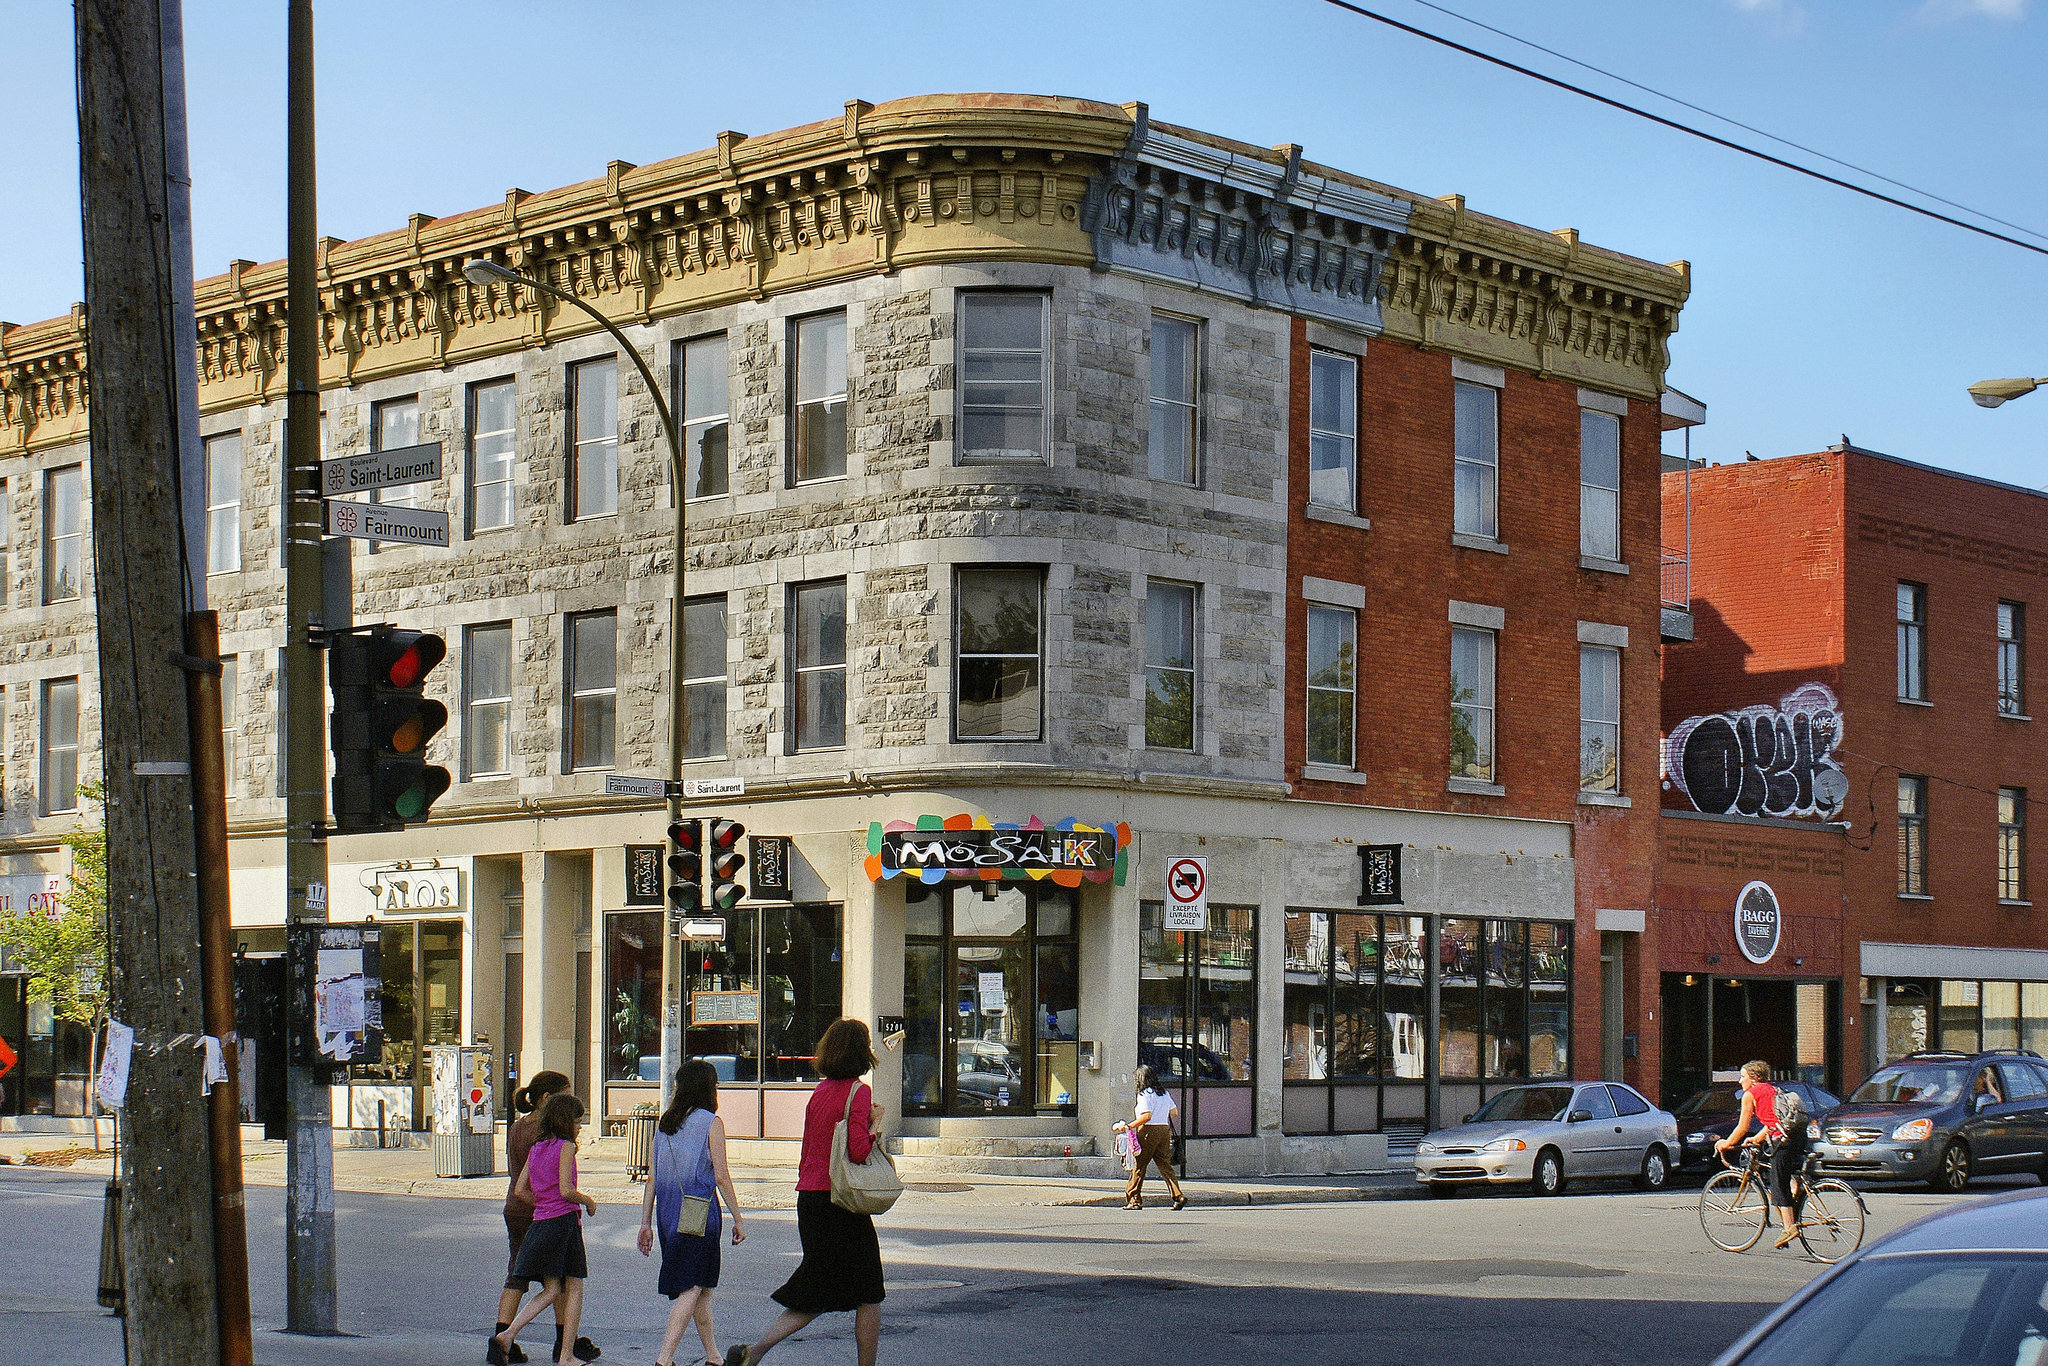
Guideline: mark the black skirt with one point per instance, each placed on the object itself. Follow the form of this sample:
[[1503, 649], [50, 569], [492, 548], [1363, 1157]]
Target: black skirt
[[553, 1250], [842, 1265]]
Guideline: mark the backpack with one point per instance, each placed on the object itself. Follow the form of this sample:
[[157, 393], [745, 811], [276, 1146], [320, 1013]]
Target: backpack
[[1790, 1110]]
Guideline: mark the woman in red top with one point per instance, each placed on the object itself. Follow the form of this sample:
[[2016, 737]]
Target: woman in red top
[[842, 1265]]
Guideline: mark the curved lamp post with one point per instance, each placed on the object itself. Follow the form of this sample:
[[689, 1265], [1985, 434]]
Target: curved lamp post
[[1989, 393], [481, 272]]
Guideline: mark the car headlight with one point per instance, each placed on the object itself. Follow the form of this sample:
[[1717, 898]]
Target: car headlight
[[1912, 1131], [1697, 1138], [1507, 1145], [1425, 1146], [1813, 1128]]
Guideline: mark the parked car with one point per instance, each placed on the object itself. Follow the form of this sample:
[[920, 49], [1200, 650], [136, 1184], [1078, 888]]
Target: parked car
[[1942, 1118], [1964, 1284], [1708, 1115], [1169, 1058], [1549, 1133]]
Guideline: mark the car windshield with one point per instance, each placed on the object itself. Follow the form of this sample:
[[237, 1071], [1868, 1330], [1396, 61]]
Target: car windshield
[[1903, 1311], [1929, 1083], [1723, 1099], [1525, 1102]]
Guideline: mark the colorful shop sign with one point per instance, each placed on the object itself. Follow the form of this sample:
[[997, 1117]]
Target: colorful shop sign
[[974, 848]]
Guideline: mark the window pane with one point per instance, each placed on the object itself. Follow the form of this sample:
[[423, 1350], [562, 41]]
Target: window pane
[[821, 440], [706, 378], [490, 692], [1173, 359], [1506, 1019], [1599, 718], [1472, 704], [1474, 492], [1477, 423], [1909, 602], [821, 709], [632, 1000], [1333, 430], [1172, 443], [595, 652], [1175, 346], [1599, 449], [801, 985], [1458, 1035], [719, 975], [62, 527], [924, 1004], [60, 745], [821, 357], [999, 698], [1355, 1017], [1332, 705], [224, 503], [1013, 322], [1330, 647], [1170, 665], [821, 624], [1549, 999], [1011, 432], [1305, 1045], [999, 611], [491, 450], [597, 429], [1225, 997], [704, 638], [397, 424]]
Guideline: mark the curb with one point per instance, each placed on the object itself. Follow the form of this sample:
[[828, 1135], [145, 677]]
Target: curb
[[1227, 1199]]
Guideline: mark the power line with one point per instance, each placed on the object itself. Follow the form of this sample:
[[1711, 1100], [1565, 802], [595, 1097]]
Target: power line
[[1676, 126], [1733, 122]]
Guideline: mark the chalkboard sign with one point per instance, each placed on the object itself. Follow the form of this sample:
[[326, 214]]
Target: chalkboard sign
[[643, 875], [725, 1007], [770, 878]]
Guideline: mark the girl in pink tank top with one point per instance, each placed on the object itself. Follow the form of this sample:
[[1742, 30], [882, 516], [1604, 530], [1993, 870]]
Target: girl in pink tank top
[[552, 1251]]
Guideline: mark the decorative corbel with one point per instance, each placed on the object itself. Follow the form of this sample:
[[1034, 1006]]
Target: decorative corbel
[[640, 271], [869, 183]]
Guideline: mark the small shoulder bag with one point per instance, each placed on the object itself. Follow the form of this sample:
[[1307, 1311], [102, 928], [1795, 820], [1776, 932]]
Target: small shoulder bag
[[695, 1215], [869, 1187]]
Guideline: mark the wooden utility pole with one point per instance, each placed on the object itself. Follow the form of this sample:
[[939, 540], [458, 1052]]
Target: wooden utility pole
[[128, 176]]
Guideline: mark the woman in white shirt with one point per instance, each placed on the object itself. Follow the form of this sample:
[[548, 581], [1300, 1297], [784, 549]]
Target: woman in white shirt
[[1152, 1128]]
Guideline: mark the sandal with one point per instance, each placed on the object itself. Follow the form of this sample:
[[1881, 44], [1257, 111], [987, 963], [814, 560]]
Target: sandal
[[1786, 1241]]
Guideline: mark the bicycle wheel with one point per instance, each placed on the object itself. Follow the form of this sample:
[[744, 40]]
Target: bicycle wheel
[[1733, 1212], [1831, 1225]]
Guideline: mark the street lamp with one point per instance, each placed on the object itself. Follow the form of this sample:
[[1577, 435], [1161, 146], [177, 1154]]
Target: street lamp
[[1989, 393], [482, 272]]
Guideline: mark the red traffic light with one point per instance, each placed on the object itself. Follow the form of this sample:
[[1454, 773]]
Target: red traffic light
[[726, 834], [406, 657], [687, 835]]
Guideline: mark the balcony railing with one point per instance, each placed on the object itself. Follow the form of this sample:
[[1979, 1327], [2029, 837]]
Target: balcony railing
[[1675, 580]]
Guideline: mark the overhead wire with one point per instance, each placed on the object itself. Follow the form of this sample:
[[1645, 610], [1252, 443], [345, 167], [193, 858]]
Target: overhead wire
[[1687, 128]]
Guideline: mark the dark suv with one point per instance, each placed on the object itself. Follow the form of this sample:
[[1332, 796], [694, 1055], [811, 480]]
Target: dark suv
[[1942, 1118]]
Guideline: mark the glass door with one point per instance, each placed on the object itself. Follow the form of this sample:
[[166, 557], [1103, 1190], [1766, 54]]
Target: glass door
[[992, 1027]]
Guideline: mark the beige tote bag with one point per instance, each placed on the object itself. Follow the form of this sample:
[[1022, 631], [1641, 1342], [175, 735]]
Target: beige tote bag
[[869, 1187]]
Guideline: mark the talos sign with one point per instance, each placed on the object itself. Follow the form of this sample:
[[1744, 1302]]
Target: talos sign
[[1758, 922]]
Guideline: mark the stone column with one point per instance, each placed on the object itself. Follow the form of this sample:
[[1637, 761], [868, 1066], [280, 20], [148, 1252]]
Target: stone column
[[873, 968], [553, 897]]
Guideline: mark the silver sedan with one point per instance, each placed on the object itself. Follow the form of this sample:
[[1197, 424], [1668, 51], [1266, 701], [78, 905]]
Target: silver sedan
[[1549, 1133]]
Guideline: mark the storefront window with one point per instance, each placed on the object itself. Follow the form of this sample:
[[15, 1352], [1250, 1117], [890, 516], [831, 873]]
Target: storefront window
[[419, 963], [1224, 996], [1458, 1032], [1405, 990], [1959, 1006], [2001, 1005], [722, 998], [632, 996], [1506, 1008], [2034, 1017], [800, 985], [1550, 1005]]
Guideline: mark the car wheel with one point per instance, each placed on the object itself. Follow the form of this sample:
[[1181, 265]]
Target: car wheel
[[1443, 1190], [1548, 1176], [1655, 1171], [1953, 1174]]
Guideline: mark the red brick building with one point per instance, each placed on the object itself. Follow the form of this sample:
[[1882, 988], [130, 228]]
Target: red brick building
[[1859, 662]]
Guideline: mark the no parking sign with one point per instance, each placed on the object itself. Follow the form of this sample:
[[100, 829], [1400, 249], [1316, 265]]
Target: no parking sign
[[1187, 893]]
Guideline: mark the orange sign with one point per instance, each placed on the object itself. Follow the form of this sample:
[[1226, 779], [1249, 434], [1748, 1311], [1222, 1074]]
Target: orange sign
[[6, 1058]]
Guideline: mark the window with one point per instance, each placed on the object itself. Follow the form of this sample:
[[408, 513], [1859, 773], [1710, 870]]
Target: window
[[818, 426], [1197, 1012], [796, 952], [487, 730], [632, 998], [1176, 348], [1599, 719], [1478, 460], [594, 439], [1599, 485], [224, 503], [593, 688], [820, 667], [60, 744], [63, 534], [706, 386], [1472, 703], [230, 683], [395, 424], [2012, 631], [998, 665], [2012, 844], [1913, 642], [1002, 376], [1332, 684], [1169, 665], [1333, 430], [1912, 836], [704, 678], [6, 538], [493, 425]]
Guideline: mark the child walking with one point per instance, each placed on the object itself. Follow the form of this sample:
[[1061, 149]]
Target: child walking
[[552, 1251]]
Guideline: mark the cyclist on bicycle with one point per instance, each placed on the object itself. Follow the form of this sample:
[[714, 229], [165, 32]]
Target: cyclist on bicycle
[[1786, 1144]]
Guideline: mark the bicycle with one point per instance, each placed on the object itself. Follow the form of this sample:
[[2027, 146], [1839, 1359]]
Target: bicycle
[[1735, 1209]]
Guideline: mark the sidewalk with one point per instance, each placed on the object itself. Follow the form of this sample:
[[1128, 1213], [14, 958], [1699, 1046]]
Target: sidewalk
[[602, 1172]]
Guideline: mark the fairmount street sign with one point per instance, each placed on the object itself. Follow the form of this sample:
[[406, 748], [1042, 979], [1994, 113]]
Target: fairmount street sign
[[380, 470], [379, 522]]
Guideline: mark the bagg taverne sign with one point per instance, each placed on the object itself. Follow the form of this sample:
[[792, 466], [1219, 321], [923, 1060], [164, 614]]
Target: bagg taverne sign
[[974, 848]]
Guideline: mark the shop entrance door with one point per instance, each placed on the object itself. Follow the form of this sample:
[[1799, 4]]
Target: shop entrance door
[[991, 1027]]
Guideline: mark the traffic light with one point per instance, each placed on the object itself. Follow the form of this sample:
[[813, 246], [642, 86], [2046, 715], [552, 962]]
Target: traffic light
[[726, 862], [686, 867], [380, 728]]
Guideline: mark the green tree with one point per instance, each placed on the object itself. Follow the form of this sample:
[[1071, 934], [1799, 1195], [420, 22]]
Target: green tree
[[66, 954]]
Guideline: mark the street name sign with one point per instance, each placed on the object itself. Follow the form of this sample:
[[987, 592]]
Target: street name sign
[[619, 785], [391, 469], [379, 522], [714, 787]]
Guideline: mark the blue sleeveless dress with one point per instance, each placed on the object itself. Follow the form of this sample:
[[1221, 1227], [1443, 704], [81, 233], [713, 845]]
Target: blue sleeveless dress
[[682, 1166]]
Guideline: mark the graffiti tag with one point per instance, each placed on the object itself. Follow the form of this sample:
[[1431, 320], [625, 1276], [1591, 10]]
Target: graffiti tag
[[1762, 761]]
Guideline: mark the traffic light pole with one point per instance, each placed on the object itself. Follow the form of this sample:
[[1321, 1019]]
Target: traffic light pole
[[309, 1151]]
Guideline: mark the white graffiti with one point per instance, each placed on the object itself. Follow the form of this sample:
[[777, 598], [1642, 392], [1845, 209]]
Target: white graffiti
[[1762, 761]]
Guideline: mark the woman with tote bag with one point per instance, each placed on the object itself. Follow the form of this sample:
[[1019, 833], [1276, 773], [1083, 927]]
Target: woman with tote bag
[[842, 1265], [680, 1205]]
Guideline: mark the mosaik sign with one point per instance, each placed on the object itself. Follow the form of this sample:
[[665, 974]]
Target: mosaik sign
[[967, 847]]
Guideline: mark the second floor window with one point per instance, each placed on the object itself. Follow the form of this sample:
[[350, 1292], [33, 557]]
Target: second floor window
[[1599, 485], [594, 439], [1599, 718], [1003, 376], [224, 503], [593, 688], [63, 534], [1472, 651], [705, 385], [493, 424], [2012, 644], [820, 664], [1912, 836], [394, 425], [2012, 844], [818, 436], [60, 745], [1169, 665], [1176, 346], [487, 728], [1913, 642], [1333, 430], [1477, 476], [998, 663], [1332, 685], [704, 678], [230, 725]]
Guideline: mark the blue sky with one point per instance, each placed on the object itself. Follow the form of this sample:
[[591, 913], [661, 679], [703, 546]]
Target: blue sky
[[1814, 313]]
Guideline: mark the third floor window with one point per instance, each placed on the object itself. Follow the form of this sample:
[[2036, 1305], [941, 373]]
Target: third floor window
[[1599, 485], [2012, 645], [1477, 477], [1913, 642], [705, 385], [594, 439], [818, 419], [1912, 836], [1176, 346], [493, 424], [1333, 430], [394, 425], [224, 503], [2012, 844], [1003, 362], [63, 533]]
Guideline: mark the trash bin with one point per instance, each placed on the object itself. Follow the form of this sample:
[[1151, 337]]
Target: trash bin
[[640, 1140], [465, 1131]]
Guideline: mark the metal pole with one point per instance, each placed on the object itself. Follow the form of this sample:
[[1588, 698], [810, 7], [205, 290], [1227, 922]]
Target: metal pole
[[309, 1153]]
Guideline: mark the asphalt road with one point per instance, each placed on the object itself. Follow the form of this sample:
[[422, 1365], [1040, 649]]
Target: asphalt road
[[1584, 1280]]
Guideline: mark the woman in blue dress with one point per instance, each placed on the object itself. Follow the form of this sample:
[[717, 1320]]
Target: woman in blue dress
[[689, 1160]]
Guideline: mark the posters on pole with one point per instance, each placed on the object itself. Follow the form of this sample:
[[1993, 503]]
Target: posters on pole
[[113, 1079]]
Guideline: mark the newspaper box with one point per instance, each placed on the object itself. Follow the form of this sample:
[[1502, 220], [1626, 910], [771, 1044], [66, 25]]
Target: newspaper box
[[465, 1131]]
